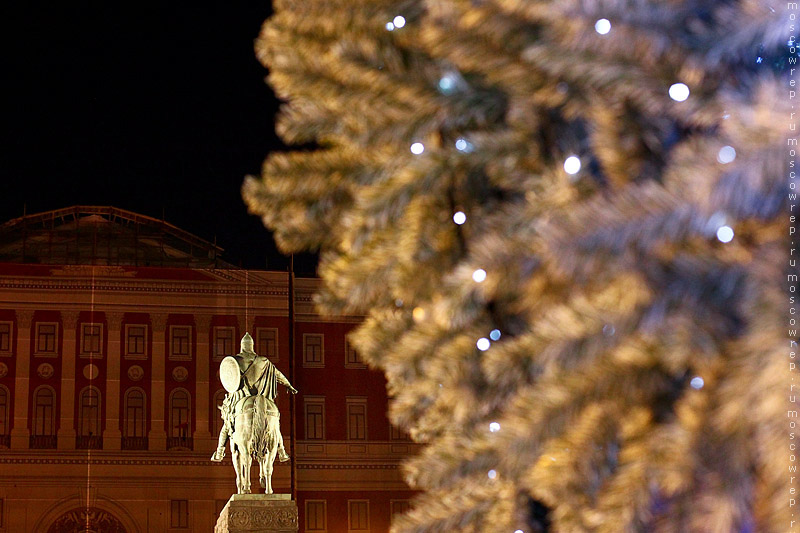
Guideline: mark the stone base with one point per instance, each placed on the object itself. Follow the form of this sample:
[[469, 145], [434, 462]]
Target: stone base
[[258, 513]]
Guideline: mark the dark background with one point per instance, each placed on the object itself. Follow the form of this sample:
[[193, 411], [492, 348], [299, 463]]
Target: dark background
[[161, 110]]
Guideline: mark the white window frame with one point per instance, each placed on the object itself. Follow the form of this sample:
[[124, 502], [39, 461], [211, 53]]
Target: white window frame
[[179, 357], [136, 356], [82, 352], [8, 352], [321, 362], [44, 353], [215, 334], [261, 331]]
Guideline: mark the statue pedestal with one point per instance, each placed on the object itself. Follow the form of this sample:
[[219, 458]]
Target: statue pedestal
[[258, 513]]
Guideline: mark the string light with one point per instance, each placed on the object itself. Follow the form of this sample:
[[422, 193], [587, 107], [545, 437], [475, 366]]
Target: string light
[[602, 26], [608, 330], [459, 217], [447, 84], [417, 148], [759, 59], [725, 234], [463, 145], [492, 474], [390, 26], [399, 21], [519, 531], [479, 275], [483, 344], [494, 427], [495, 335], [726, 154], [697, 382], [679, 92], [572, 165], [419, 314]]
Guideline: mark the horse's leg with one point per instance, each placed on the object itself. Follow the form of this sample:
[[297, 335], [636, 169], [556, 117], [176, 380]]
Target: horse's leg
[[236, 458], [268, 461]]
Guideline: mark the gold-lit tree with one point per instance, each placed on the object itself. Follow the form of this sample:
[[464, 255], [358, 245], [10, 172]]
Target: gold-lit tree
[[564, 222]]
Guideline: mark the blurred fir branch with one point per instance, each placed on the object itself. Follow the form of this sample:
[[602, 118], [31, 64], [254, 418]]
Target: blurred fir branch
[[638, 374]]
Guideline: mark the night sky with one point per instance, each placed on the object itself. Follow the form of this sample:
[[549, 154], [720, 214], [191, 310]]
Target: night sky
[[154, 109]]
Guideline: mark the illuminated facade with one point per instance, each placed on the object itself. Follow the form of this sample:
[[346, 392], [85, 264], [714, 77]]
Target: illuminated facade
[[112, 326]]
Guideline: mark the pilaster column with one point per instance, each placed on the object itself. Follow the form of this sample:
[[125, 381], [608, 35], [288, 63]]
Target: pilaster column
[[66, 427], [157, 438], [112, 436], [21, 432], [203, 441]]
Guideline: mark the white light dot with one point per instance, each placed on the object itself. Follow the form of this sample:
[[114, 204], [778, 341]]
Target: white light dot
[[483, 344], [494, 427], [479, 275], [495, 335], [602, 26], [725, 234], [417, 148], [726, 154], [446, 83], [679, 92], [459, 217], [398, 302], [572, 165], [519, 531], [389, 26], [608, 330], [697, 382], [399, 21], [492, 474], [461, 144]]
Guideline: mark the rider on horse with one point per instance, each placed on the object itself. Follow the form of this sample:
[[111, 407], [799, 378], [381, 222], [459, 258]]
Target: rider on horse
[[258, 377]]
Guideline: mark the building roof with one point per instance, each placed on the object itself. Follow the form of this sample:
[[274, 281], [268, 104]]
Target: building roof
[[102, 235]]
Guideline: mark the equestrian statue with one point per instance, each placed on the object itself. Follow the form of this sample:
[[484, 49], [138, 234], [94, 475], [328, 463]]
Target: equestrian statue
[[250, 417]]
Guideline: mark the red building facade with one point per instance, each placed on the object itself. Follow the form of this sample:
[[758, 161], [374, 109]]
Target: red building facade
[[112, 326]]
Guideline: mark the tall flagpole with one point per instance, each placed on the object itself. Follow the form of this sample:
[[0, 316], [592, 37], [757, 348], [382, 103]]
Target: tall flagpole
[[292, 399]]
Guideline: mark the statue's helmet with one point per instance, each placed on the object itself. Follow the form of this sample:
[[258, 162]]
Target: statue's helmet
[[247, 343]]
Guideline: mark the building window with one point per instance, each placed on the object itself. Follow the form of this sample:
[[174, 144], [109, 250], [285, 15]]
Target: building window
[[223, 342], [216, 414], [351, 359], [44, 421], [180, 415], [315, 417], [267, 342], [399, 506], [134, 425], [316, 515], [180, 342], [358, 515], [357, 418], [5, 338], [46, 338], [135, 341], [313, 350], [91, 339], [89, 432], [5, 412], [179, 514]]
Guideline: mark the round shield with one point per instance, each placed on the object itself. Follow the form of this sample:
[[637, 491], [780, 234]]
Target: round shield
[[229, 374]]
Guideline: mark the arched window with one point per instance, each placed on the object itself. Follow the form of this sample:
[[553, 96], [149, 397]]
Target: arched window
[[134, 427], [89, 428], [43, 433], [5, 430], [180, 416], [216, 415]]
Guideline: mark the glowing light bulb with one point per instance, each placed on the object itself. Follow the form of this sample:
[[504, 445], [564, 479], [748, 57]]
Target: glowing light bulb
[[519, 531], [725, 234], [602, 26], [390, 26], [679, 92], [417, 148], [399, 21], [697, 382], [447, 83], [495, 335], [492, 474], [459, 217], [494, 427], [572, 165], [419, 314], [479, 275], [483, 344], [726, 154]]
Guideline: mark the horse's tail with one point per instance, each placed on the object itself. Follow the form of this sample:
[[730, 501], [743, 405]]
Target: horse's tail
[[258, 442]]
